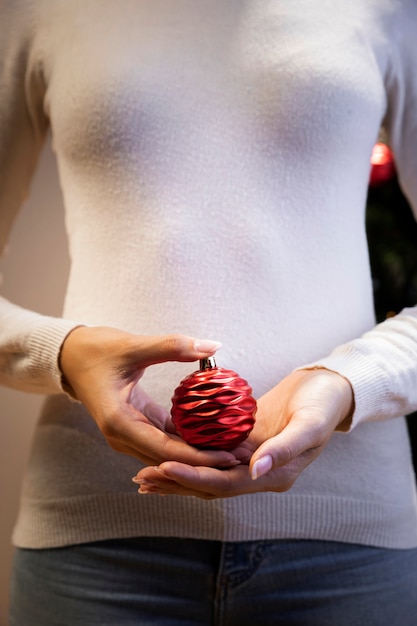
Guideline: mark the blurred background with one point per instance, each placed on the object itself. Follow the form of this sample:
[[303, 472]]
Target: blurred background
[[392, 238], [35, 272]]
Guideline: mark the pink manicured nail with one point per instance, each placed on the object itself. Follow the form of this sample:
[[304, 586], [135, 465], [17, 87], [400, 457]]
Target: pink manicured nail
[[261, 466], [206, 345]]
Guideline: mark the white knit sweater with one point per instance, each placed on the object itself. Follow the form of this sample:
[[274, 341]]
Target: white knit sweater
[[214, 160]]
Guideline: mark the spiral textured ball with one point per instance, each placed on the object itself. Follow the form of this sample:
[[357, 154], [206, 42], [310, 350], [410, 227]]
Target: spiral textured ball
[[213, 408]]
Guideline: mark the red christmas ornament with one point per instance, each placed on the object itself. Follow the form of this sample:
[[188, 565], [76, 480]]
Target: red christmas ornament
[[213, 407], [382, 165]]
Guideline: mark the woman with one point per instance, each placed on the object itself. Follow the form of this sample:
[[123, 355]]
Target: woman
[[214, 160]]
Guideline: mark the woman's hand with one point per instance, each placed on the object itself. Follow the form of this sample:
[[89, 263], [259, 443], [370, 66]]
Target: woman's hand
[[294, 422], [102, 367]]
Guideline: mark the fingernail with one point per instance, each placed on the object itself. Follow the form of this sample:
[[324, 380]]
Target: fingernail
[[144, 489], [229, 463], [261, 466], [156, 491], [142, 481], [206, 345]]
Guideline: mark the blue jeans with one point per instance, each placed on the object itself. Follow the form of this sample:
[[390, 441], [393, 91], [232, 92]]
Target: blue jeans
[[184, 582]]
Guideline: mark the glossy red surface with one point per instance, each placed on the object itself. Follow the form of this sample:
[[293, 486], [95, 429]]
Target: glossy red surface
[[213, 408]]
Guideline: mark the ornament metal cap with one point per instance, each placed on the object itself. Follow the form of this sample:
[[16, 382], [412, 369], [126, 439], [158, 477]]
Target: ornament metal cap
[[208, 363]]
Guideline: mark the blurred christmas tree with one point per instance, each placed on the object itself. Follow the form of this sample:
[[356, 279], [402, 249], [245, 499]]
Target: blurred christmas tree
[[392, 238]]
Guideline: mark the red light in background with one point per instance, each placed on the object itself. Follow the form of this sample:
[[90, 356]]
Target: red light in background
[[382, 165]]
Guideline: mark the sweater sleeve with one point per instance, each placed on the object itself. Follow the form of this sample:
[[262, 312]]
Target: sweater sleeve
[[382, 364], [29, 342]]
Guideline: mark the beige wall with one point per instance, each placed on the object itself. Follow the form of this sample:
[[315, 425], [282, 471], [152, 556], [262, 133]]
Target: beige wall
[[34, 276]]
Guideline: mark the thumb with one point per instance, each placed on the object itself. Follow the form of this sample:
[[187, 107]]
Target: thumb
[[293, 441], [158, 349]]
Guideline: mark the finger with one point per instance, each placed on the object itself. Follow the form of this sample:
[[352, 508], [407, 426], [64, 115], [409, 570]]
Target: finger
[[149, 458], [128, 450], [157, 349], [154, 480], [150, 442], [205, 480], [300, 438], [245, 450], [157, 482]]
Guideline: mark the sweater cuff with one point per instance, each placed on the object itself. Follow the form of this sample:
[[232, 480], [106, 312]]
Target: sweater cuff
[[369, 383], [44, 347]]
